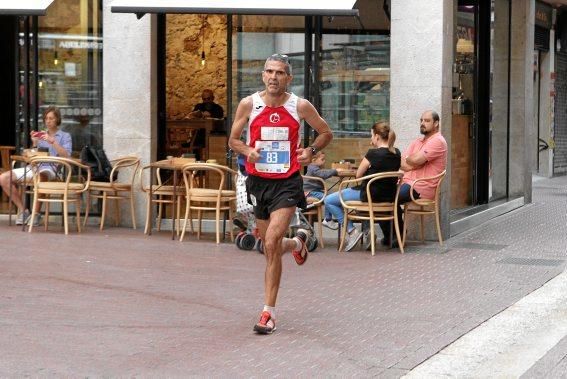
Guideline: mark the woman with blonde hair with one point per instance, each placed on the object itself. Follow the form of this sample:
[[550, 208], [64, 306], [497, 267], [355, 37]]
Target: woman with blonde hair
[[381, 157]]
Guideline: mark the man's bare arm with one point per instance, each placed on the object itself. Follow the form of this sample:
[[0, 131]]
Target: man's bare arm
[[240, 120], [413, 161], [416, 160], [307, 111]]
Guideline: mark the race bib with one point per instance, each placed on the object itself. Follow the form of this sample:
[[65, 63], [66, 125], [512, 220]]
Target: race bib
[[274, 156], [274, 133]]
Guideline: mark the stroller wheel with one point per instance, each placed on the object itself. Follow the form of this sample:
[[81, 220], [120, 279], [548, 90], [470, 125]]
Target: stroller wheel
[[238, 239], [312, 244], [248, 242], [259, 246]]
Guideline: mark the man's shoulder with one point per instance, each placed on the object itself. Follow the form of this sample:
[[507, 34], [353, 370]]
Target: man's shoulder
[[246, 102], [304, 106], [437, 138]]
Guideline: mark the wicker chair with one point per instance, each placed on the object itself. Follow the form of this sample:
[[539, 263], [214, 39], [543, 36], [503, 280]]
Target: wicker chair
[[68, 190], [425, 207], [214, 197], [360, 211], [315, 208], [115, 190]]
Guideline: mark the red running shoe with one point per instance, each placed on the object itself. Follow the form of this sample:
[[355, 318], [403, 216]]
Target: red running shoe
[[301, 254], [266, 325]]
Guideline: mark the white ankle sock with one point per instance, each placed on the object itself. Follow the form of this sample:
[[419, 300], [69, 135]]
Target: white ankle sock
[[272, 310], [298, 243]]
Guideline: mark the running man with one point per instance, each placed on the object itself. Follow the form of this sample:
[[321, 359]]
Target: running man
[[273, 162]]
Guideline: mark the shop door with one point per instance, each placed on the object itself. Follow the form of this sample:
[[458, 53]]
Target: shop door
[[464, 110], [480, 127], [8, 91]]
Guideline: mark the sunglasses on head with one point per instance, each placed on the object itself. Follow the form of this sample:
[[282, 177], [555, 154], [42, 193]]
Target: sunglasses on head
[[280, 56]]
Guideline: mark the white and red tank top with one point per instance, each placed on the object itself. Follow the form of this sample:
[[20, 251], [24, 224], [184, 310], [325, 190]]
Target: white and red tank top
[[277, 132]]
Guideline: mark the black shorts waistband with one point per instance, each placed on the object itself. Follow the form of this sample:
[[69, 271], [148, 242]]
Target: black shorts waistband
[[260, 178]]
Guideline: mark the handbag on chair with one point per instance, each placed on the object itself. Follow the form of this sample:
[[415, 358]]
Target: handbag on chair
[[98, 162]]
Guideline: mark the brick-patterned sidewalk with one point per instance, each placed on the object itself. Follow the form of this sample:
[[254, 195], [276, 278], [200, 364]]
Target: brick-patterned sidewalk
[[119, 303]]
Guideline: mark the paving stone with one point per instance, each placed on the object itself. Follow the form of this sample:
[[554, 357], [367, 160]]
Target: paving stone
[[119, 303]]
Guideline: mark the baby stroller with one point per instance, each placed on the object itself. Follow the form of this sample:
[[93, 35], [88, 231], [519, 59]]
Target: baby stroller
[[248, 238], [299, 221]]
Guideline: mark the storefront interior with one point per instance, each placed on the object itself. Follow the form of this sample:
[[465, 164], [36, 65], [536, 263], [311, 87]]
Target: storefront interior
[[340, 63], [481, 130]]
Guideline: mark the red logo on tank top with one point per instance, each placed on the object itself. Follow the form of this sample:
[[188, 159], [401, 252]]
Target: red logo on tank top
[[274, 118]]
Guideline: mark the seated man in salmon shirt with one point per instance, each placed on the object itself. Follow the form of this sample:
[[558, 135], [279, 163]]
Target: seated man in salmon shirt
[[425, 157]]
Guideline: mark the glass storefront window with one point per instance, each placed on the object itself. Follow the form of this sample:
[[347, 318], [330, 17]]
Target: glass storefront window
[[70, 68], [257, 37], [464, 109], [352, 87], [355, 90]]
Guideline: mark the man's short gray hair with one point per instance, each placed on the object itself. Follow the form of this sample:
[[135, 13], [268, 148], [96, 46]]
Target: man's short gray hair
[[280, 58]]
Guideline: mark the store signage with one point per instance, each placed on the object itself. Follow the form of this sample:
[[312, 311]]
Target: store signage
[[85, 45], [543, 14]]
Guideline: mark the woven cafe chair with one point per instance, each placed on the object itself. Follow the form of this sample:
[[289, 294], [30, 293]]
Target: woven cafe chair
[[120, 187], [212, 195], [360, 211], [5, 152], [68, 190], [315, 208], [424, 207], [162, 195]]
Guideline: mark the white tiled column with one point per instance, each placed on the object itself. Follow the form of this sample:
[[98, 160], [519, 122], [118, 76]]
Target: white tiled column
[[130, 90], [421, 60]]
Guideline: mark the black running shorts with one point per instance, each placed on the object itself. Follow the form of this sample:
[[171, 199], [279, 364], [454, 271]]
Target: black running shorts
[[268, 195]]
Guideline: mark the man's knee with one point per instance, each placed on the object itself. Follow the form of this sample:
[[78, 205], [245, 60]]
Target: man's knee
[[272, 245]]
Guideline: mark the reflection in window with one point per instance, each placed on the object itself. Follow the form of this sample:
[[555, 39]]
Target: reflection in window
[[70, 68], [258, 37], [355, 90], [355, 82]]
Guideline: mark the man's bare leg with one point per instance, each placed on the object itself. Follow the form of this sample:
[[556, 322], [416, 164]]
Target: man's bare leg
[[272, 232]]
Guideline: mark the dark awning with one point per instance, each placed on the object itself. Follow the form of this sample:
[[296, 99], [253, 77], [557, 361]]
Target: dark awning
[[248, 7], [25, 7]]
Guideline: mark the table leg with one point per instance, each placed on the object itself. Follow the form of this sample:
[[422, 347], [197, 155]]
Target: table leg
[[174, 205], [335, 184], [151, 207], [25, 195], [10, 200]]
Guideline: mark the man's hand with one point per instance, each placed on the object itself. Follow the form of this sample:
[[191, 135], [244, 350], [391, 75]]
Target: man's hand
[[304, 155], [254, 155]]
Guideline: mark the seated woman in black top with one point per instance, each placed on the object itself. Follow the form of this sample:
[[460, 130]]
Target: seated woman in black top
[[382, 157]]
